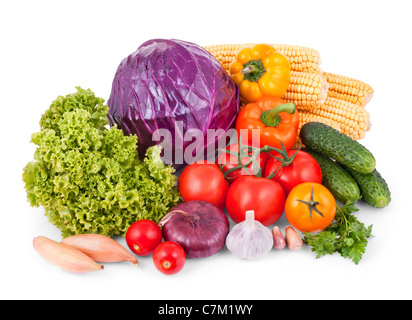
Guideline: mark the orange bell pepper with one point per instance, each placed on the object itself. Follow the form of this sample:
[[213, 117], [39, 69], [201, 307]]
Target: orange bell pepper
[[260, 71], [276, 121]]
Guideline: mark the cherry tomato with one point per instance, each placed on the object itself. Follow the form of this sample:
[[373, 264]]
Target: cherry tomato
[[227, 161], [266, 197], [143, 236], [203, 181], [303, 168], [310, 207], [169, 257]]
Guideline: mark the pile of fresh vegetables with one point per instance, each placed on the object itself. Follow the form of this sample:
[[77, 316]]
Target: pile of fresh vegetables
[[95, 182]]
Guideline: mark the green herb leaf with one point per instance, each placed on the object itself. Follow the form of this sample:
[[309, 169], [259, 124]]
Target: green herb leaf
[[346, 236]]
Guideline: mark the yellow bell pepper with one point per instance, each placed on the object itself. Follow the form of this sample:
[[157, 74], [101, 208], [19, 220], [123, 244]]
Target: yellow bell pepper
[[260, 71]]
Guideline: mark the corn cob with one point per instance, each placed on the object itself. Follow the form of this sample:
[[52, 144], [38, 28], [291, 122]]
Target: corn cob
[[225, 54], [307, 90], [353, 120], [300, 58], [348, 89], [306, 117]]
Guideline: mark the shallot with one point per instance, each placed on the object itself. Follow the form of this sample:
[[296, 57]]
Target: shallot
[[100, 248], [65, 256]]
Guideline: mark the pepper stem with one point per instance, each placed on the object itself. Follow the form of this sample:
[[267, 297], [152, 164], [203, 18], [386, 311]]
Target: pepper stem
[[248, 69], [253, 70], [271, 118]]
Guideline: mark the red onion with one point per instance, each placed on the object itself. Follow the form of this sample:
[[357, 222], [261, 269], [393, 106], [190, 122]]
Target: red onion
[[198, 226]]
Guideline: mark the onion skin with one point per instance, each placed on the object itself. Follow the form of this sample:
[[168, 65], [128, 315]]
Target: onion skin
[[100, 248], [64, 256], [198, 226]]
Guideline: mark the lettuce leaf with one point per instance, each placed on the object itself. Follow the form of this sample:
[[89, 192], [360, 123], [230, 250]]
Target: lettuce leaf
[[89, 178]]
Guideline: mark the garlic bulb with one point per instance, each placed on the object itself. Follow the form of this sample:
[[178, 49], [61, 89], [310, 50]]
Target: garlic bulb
[[249, 239]]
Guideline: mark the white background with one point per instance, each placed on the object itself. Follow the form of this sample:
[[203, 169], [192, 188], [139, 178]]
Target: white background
[[49, 47]]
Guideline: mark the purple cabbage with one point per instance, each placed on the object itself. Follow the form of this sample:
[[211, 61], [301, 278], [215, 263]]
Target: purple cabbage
[[173, 85]]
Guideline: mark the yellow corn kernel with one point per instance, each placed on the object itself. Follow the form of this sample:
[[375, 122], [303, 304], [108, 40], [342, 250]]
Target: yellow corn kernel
[[300, 58], [225, 54], [353, 120], [349, 89], [307, 90]]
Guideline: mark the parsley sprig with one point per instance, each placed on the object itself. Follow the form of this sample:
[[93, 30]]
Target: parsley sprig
[[346, 235]]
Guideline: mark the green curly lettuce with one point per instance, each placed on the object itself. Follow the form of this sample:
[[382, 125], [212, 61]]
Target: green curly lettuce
[[89, 178]]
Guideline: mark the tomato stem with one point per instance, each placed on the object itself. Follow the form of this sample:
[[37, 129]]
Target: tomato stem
[[245, 150], [285, 160], [311, 205]]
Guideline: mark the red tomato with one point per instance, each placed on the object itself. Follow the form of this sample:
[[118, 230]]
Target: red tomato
[[169, 257], [203, 181], [227, 161], [304, 168], [264, 196], [143, 236]]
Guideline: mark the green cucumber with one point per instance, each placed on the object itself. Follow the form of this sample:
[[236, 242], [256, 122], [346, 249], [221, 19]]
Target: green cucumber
[[374, 189], [335, 145], [339, 182]]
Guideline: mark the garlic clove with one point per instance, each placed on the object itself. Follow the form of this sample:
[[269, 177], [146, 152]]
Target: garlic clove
[[100, 248], [293, 240], [279, 241], [64, 256]]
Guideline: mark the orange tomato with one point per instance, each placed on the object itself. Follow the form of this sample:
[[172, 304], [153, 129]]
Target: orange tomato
[[310, 207]]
